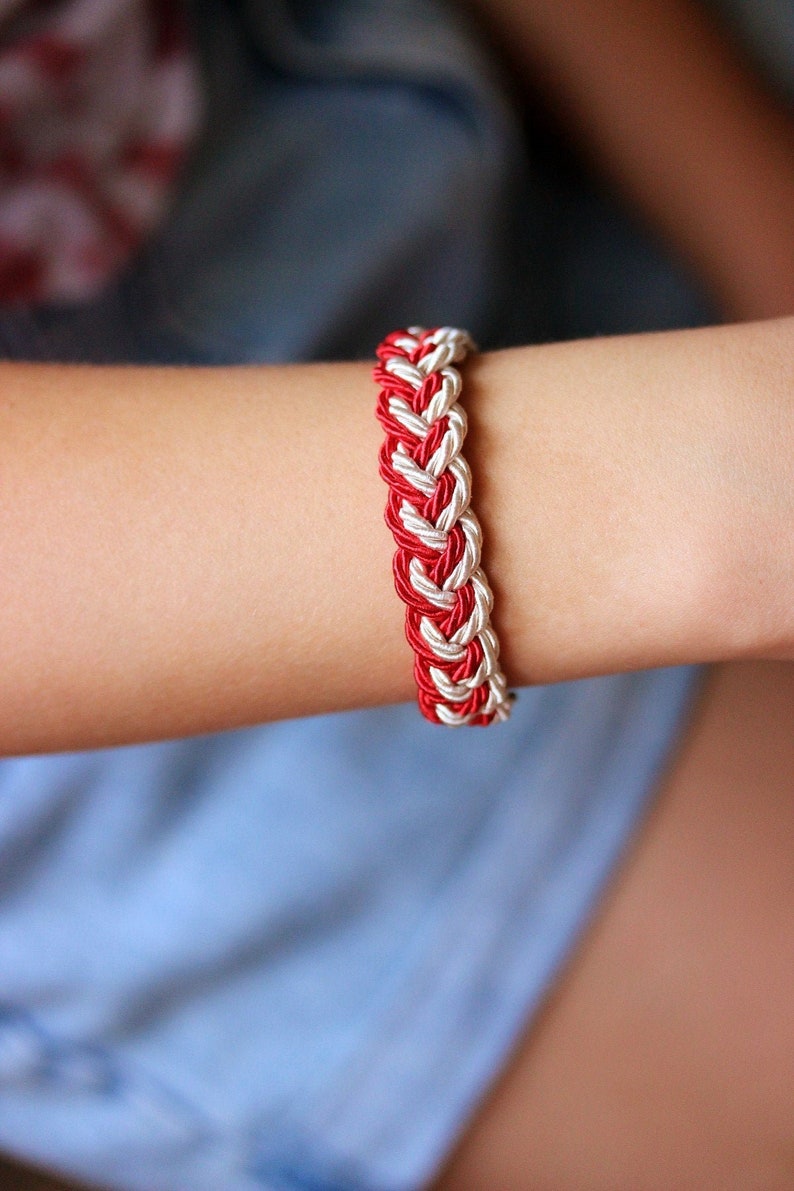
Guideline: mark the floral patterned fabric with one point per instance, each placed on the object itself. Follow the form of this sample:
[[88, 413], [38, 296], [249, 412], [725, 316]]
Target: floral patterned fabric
[[99, 102]]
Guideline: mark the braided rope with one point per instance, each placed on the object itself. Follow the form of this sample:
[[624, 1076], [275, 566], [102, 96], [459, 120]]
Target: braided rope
[[437, 569]]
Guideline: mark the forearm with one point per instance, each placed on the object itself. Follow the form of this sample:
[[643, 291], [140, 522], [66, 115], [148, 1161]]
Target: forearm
[[661, 101], [189, 550], [184, 550]]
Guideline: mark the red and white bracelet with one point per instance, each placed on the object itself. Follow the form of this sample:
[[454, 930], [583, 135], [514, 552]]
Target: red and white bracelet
[[437, 569]]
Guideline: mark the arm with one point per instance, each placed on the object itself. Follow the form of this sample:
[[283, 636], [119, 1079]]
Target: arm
[[186, 550], [662, 102]]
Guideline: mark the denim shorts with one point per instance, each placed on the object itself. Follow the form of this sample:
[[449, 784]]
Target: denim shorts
[[297, 956]]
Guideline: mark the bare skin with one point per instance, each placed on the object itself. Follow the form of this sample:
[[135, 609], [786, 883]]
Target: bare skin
[[663, 1057], [188, 550], [667, 108]]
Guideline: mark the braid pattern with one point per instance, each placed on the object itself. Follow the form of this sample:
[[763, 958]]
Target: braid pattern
[[437, 569]]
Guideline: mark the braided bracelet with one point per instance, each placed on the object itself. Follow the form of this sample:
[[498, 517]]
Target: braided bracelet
[[437, 569]]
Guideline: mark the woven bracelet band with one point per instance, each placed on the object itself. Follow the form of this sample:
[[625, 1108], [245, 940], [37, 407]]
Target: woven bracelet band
[[437, 569]]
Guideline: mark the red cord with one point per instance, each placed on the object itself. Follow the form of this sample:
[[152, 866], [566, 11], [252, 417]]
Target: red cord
[[447, 619]]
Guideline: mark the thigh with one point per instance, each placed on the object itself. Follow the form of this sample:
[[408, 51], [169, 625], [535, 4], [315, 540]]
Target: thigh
[[23, 1178], [664, 1057]]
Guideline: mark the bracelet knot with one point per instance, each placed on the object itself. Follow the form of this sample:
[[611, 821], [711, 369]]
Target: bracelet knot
[[437, 570]]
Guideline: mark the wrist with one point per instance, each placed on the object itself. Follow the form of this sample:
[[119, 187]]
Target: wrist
[[614, 480]]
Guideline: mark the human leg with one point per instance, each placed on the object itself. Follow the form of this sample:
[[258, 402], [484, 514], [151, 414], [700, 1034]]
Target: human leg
[[664, 1056]]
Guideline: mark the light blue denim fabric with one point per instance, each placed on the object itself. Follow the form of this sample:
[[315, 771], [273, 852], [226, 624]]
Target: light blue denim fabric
[[295, 957]]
